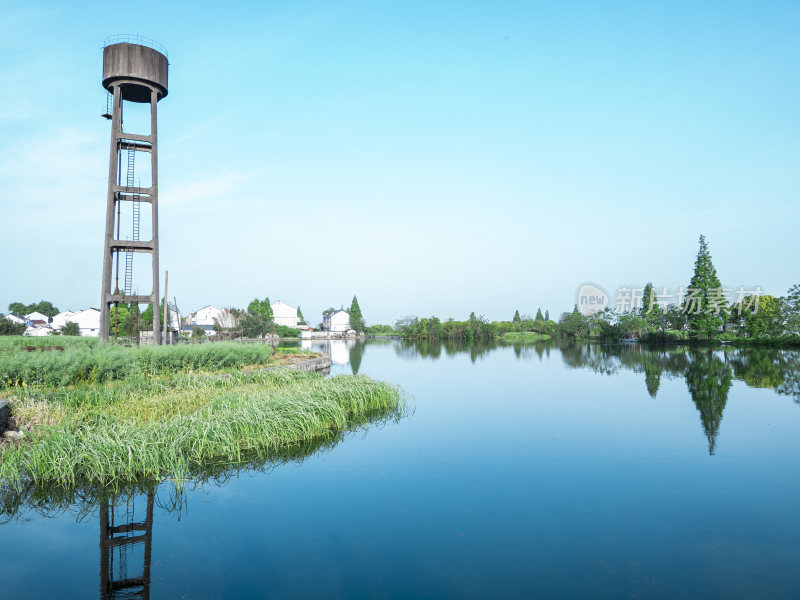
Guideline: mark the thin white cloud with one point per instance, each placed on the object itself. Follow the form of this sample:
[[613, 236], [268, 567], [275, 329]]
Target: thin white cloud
[[59, 171], [220, 187]]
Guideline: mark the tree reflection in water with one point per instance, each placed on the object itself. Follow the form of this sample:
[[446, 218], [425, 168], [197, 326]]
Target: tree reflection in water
[[356, 351], [709, 379], [709, 373]]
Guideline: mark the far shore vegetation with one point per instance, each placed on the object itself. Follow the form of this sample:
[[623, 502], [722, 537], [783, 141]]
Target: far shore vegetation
[[705, 315]]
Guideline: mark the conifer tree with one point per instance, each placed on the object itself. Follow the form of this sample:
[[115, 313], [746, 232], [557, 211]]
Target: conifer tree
[[539, 316], [516, 317], [652, 312], [647, 302], [546, 315], [705, 305], [301, 319], [356, 319]]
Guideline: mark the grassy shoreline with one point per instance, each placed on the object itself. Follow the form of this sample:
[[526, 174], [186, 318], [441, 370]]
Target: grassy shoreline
[[150, 414], [524, 336]]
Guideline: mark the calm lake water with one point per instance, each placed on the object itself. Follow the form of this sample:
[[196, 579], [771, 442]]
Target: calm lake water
[[583, 471]]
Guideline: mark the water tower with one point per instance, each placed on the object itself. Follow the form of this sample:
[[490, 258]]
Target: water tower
[[134, 70]]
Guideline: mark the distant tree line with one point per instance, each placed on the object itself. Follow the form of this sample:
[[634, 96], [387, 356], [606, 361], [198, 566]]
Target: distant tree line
[[43, 306], [704, 314], [433, 328]]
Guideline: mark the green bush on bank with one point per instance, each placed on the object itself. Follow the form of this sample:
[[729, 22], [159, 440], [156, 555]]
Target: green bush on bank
[[670, 336], [725, 337], [287, 332]]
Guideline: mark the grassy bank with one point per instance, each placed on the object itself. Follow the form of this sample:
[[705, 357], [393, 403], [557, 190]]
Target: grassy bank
[[61, 366], [727, 337], [524, 336], [158, 418], [15, 342]]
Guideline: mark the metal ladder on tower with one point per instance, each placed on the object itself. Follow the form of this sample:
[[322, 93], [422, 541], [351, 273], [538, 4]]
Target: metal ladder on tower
[[109, 101], [135, 225]]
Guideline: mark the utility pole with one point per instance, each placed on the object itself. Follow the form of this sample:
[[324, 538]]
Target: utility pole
[[180, 323], [166, 309]]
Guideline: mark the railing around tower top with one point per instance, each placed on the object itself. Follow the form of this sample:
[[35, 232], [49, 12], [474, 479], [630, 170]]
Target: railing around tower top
[[131, 38]]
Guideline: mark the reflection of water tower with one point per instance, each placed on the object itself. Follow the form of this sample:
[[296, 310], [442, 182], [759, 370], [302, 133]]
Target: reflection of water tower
[[134, 70], [121, 535]]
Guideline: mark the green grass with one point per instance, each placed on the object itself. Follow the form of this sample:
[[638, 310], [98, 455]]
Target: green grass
[[289, 350], [524, 336], [16, 342], [53, 500], [111, 415], [97, 364], [150, 429]]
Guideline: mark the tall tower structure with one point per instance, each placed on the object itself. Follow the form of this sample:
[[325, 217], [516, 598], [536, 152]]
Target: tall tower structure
[[134, 70]]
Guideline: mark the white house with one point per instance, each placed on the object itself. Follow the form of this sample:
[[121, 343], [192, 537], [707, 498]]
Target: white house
[[37, 318], [16, 319], [39, 330], [174, 320], [337, 321], [205, 316], [61, 319], [283, 314], [88, 321]]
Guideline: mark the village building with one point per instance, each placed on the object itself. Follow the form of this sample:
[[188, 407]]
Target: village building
[[174, 320], [14, 318], [88, 321], [61, 319], [337, 321], [205, 317], [283, 314], [39, 330], [37, 319]]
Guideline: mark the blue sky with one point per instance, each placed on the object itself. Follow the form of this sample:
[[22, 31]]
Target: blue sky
[[434, 158]]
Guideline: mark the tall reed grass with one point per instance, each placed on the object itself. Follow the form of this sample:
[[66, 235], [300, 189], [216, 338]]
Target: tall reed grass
[[101, 363], [15, 342], [140, 428]]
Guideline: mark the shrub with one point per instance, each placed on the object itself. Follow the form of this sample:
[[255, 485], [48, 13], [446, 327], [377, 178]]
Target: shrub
[[284, 331], [70, 328], [9, 328]]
